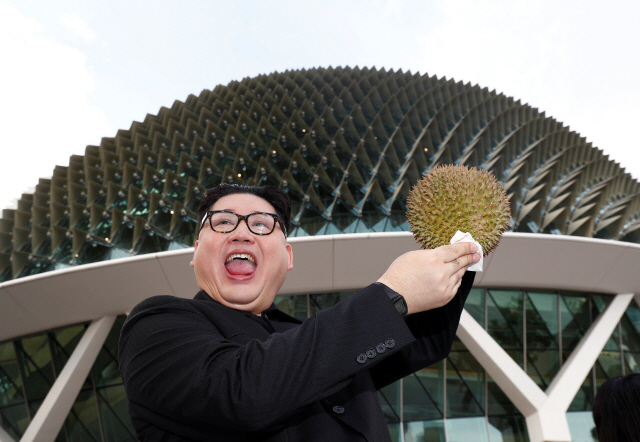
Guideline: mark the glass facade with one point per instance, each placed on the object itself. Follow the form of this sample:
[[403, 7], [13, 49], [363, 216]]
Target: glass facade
[[453, 400]]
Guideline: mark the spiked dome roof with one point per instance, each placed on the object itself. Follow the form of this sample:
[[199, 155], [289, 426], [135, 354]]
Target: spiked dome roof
[[346, 143]]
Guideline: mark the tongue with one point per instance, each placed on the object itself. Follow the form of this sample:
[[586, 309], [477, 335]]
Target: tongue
[[240, 267]]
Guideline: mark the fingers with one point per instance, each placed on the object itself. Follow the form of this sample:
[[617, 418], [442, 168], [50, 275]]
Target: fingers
[[467, 260], [454, 251], [457, 278], [460, 274], [462, 262]]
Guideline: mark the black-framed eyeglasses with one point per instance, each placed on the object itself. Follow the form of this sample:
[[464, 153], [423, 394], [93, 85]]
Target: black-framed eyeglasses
[[259, 223]]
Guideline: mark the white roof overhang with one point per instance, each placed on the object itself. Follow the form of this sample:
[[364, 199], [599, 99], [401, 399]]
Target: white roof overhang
[[321, 264]]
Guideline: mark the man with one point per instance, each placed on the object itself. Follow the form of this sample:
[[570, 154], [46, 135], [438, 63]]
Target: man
[[229, 366]]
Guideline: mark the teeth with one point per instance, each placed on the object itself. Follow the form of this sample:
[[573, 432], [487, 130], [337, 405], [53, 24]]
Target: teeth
[[240, 256]]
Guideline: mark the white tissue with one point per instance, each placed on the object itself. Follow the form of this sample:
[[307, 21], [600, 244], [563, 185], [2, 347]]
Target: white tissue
[[466, 237]]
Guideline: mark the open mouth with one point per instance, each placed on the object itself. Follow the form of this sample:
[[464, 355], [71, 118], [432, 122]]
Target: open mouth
[[240, 264]]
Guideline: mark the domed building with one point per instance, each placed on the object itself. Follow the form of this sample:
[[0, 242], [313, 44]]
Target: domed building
[[550, 318]]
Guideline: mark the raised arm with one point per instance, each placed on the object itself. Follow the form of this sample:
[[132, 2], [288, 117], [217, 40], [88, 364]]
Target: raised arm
[[428, 279]]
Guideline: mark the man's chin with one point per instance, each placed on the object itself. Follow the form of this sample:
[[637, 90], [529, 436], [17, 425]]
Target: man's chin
[[254, 306], [240, 296], [241, 278], [249, 300]]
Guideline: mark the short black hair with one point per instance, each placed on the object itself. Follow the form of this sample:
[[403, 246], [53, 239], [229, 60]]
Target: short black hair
[[616, 408], [277, 198]]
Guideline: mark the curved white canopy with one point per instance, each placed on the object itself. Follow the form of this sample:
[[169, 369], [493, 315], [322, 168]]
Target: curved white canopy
[[321, 264]]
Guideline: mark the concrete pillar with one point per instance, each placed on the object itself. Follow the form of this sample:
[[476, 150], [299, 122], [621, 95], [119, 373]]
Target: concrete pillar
[[545, 411]]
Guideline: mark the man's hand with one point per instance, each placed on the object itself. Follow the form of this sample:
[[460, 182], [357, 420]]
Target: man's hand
[[429, 279]]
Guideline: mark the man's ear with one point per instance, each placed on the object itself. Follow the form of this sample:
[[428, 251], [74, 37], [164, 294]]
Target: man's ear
[[290, 253], [195, 247]]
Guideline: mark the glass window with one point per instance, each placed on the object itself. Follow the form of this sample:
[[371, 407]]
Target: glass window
[[609, 365], [37, 371], [631, 362], [394, 432], [542, 320], [389, 397], [114, 414], [575, 320], [498, 404], [467, 429], [543, 357], [630, 333], [428, 431], [505, 319], [508, 429], [326, 300], [63, 342], [465, 385], [633, 314], [584, 398], [423, 394], [82, 423], [105, 369], [312, 221], [582, 426], [11, 391], [475, 305], [15, 420], [296, 305]]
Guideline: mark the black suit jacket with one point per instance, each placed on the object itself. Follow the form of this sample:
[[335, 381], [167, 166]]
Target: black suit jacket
[[197, 370]]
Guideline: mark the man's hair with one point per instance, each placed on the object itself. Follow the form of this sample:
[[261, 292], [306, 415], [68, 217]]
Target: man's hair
[[616, 408], [274, 196]]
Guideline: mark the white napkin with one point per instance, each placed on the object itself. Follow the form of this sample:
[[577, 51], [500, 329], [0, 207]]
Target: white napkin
[[466, 237]]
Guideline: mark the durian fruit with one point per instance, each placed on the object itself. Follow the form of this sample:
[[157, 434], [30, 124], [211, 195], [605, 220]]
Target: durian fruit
[[453, 197]]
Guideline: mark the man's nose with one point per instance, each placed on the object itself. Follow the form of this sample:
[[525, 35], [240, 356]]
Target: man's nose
[[242, 232]]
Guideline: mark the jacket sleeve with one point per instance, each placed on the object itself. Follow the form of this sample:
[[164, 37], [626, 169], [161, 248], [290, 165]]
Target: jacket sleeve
[[178, 366], [434, 332]]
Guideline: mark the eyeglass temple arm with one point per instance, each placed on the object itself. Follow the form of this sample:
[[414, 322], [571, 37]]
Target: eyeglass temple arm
[[204, 219]]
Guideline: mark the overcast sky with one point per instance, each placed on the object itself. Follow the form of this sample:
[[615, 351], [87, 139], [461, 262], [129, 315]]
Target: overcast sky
[[76, 71]]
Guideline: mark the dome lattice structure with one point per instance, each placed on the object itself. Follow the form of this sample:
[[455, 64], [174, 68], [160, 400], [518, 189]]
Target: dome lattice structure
[[346, 143]]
